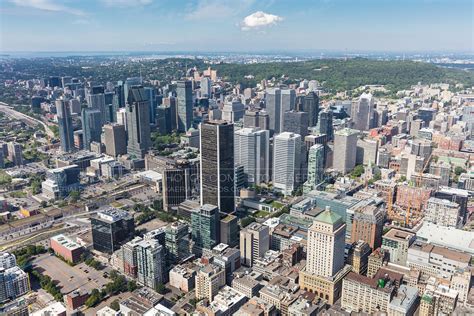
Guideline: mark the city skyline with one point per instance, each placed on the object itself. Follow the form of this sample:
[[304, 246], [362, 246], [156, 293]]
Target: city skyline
[[164, 26]]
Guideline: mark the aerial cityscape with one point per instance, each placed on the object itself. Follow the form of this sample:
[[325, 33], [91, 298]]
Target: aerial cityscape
[[217, 158]]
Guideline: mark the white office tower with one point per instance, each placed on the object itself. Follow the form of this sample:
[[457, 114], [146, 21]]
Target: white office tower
[[286, 162], [122, 117], [326, 242], [363, 112], [254, 242], [315, 167], [252, 151], [345, 150], [277, 102]]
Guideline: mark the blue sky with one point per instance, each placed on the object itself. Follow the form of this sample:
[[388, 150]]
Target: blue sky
[[232, 25]]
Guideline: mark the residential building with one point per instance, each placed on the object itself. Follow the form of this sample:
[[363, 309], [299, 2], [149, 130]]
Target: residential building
[[209, 280], [443, 212], [14, 282], [315, 167], [205, 223], [65, 125], [396, 242], [367, 225]]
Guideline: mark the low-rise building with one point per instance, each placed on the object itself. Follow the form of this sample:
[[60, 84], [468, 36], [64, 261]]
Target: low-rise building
[[226, 302], [405, 302], [209, 280], [246, 285], [66, 248], [183, 278]]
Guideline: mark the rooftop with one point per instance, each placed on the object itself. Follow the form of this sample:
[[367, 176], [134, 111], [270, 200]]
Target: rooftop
[[66, 242]]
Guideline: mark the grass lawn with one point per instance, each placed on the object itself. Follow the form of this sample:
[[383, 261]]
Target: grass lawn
[[277, 204], [261, 214]]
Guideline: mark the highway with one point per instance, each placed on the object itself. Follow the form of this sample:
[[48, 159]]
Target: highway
[[31, 121]]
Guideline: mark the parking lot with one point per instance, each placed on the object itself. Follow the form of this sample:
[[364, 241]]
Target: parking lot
[[70, 278]]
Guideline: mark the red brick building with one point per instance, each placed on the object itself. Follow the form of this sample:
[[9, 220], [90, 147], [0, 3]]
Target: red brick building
[[68, 249]]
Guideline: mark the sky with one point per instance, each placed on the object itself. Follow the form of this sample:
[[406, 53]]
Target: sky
[[237, 25]]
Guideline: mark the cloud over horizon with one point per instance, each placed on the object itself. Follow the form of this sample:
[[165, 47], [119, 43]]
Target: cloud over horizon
[[259, 20], [47, 5]]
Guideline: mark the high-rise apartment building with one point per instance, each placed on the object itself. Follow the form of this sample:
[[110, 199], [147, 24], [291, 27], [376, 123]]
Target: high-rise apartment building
[[345, 149], [252, 151], [184, 105], [65, 127], [286, 162], [217, 164], [443, 212], [205, 227], [177, 242], [150, 255], [14, 282], [115, 139], [15, 153], [315, 167], [209, 279], [254, 242], [138, 122]]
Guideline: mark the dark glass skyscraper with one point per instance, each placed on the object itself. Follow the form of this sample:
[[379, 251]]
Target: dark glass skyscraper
[[66, 135], [205, 223], [311, 106], [110, 229], [324, 125], [217, 165], [91, 126], [184, 92], [138, 122]]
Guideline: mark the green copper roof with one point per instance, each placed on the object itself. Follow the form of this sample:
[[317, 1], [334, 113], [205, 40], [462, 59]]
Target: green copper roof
[[329, 217]]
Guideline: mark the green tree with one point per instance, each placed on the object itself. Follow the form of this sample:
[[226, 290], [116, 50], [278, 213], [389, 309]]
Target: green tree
[[94, 298], [161, 288], [459, 170], [74, 195], [357, 171], [115, 305]]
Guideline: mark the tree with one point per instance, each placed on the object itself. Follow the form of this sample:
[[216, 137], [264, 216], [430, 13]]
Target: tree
[[74, 195], [161, 288], [132, 286], [94, 298], [459, 170], [115, 305], [357, 171]]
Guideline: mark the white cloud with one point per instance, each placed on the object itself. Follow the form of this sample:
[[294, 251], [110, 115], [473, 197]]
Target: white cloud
[[47, 5], [126, 3], [259, 20]]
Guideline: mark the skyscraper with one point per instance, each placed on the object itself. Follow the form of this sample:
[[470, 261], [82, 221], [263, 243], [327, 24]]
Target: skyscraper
[[66, 131], [310, 105], [15, 153], [315, 167], [115, 139], [296, 122], [110, 228], [151, 95], [96, 100], [251, 150], [184, 92], [217, 165], [205, 222], [324, 125], [258, 119], [277, 102], [138, 122], [363, 112], [345, 150], [325, 257], [286, 162], [254, 242], [91, 126]]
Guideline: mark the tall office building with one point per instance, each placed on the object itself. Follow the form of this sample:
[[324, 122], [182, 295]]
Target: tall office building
[[252, 151], [217, 165], [96, 100], [151, 96], [138, 122], [310, 105], [258, 119], [277, 102], [296, 122], [205, 87], [115, 139], [205, 222], [91, 126], [367, 225], [150, 255], [315, 167], [178, 183], [345, 150], [363, 112], [324, 125], [110, 228], [254, 242], [130, 82], [184, 91], [325, 257], [65, 127], [286, 162]]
